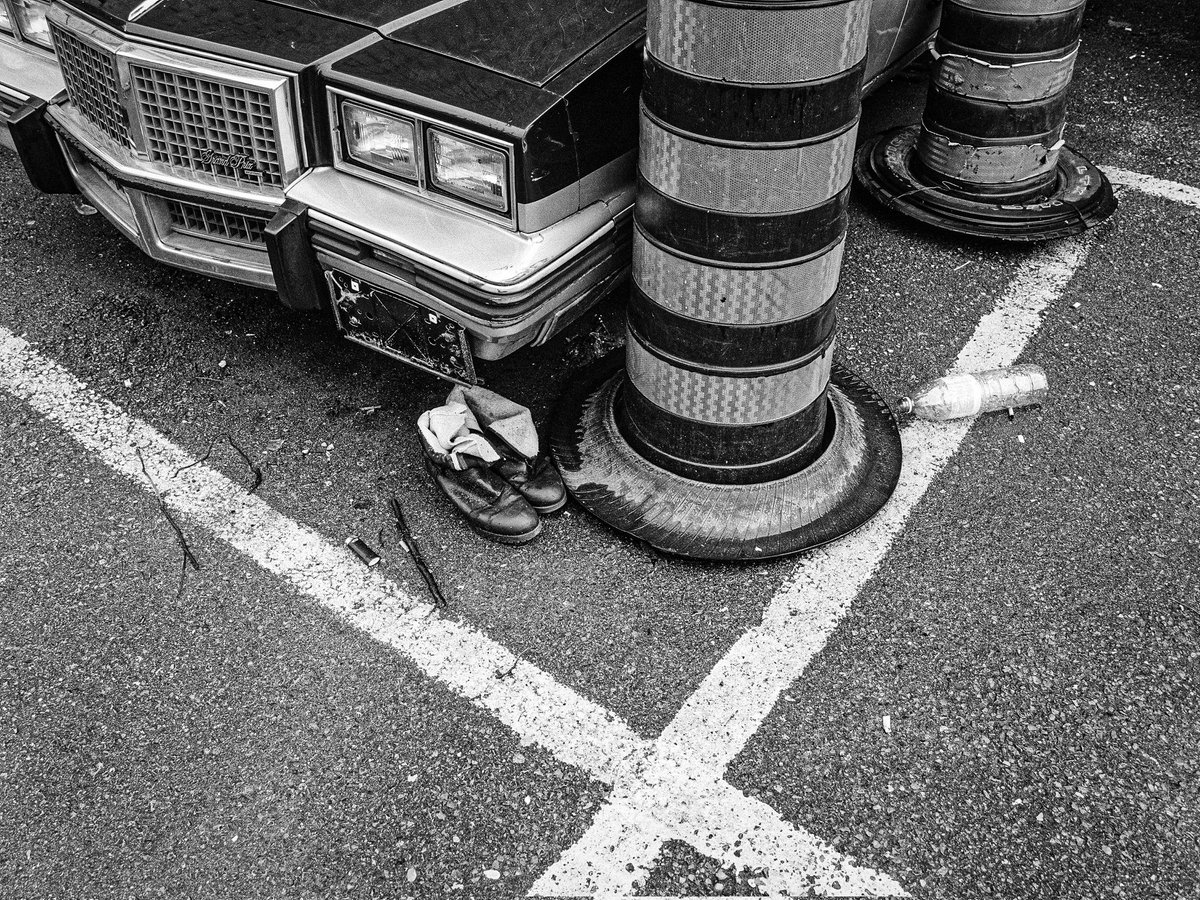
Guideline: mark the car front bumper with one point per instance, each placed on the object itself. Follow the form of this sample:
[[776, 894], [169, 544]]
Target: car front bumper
[[145, 204], [26, 73], [507, 289]]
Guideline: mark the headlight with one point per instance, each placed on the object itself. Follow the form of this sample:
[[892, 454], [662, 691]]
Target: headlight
[[383, 142], [468, 169], [5, 22], [31, 18]]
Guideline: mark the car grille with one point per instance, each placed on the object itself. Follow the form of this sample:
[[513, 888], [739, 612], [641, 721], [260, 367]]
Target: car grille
[[189, 118], [203, 125], [90, 76], [219, 224]]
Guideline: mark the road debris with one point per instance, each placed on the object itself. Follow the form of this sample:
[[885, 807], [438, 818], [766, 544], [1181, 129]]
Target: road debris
[[360, 548], [414, 552], [188, 557], [255, 470], [965, 394]]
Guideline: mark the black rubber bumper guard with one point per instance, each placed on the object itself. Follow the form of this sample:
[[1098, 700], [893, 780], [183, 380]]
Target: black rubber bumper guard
[[39, 150], [298, 277]]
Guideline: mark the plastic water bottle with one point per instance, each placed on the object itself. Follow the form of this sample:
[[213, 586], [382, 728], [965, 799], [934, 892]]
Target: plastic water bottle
[[971, 393]]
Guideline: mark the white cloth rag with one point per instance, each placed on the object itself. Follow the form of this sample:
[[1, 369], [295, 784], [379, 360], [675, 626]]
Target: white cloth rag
[[452, 435]]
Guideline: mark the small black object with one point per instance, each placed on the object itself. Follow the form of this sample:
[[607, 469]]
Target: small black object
[[39, 150], [360, 549], [414, 551]]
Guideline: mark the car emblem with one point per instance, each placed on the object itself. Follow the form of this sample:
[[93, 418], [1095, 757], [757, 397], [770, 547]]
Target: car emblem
[[239, 162]]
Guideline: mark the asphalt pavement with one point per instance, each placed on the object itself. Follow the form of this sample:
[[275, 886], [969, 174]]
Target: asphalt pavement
[[1032, 636]]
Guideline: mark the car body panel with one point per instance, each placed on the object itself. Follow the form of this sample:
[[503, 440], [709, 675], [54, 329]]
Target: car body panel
[[898, 28], [530, 40], [558, 86], [27, 72], [413, 76], [294, 39]]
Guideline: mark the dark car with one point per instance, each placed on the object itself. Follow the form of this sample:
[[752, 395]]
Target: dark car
[[453, 179]]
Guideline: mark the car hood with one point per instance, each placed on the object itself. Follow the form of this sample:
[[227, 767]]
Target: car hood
[[526, 40], [530, 40], [257, 30]]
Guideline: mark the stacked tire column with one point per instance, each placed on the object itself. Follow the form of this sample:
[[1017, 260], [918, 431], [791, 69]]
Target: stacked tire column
[[723, 437], [988, 158]]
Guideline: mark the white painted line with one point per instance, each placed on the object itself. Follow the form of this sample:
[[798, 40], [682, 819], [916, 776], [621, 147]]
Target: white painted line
[[672, 797], [735, 698], [525, 698], [672, 788], [1168, 190]]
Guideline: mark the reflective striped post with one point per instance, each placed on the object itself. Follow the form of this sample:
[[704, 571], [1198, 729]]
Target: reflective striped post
[[723, 436], [988, 158]]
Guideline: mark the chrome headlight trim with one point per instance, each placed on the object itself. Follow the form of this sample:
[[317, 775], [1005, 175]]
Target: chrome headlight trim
[[424, 185], [21, 16]]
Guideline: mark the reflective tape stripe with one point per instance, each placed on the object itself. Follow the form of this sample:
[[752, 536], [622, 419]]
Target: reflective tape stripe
[[992, 164], [758, 180], [725, 399], [750, 45], [1023, 82], [735, 296], [1021, 7]]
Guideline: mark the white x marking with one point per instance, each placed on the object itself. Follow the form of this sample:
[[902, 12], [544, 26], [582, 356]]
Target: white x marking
[[670, 788], [675, 794]]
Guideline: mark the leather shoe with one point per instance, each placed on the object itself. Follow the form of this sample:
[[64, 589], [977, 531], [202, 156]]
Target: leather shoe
[[492, 506], [537, 480]]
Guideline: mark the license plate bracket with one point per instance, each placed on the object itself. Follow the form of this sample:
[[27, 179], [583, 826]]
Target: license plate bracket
[[404, 330]]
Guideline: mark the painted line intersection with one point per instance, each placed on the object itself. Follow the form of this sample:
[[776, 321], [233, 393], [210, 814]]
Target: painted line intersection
[[670, 788], [732, 702]]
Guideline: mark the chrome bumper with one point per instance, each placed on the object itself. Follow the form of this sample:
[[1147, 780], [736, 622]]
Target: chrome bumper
[[26, 72], [142, 207], [507, 289]]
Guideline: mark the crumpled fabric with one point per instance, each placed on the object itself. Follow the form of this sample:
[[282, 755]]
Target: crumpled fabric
[[454, 432], [501, 418], [447, 433]]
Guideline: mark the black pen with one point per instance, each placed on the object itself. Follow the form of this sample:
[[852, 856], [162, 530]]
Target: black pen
[[414, 552]]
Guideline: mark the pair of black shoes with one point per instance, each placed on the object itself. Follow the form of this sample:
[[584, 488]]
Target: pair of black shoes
[[493, 472], [502, 500]]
